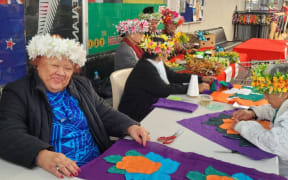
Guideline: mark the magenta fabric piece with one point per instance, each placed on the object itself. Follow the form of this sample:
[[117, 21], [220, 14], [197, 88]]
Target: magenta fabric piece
[[175, 105], [196, 124], [97, 168]]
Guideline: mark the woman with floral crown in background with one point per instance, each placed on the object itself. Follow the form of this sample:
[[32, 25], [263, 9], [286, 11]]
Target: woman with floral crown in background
[[151, 79], [153, 19], [271, 80], [171, 20], [128, 51]]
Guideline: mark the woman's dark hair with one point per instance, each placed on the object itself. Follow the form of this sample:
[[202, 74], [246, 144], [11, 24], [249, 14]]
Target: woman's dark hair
[[152, 55], [148, 10]]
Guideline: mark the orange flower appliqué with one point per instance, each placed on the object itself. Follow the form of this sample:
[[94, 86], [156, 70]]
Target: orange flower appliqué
[[227, 124], [138, 164]]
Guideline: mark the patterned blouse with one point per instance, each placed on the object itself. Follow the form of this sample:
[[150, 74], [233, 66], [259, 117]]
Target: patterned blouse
[[70, 132]]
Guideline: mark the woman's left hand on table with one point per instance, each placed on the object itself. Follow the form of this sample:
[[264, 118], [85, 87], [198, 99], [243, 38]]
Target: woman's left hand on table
[[139, 134]]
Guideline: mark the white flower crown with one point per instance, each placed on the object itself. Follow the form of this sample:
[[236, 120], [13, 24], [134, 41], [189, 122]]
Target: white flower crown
[[53, 46]]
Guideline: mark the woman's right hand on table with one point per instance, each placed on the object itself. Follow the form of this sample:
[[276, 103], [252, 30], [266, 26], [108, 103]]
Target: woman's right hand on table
[[244, 115], [204, 86], [57, 164]]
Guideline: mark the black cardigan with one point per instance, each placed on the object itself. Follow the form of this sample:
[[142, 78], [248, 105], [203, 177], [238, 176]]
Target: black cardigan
[[26, 118], [144, 86]]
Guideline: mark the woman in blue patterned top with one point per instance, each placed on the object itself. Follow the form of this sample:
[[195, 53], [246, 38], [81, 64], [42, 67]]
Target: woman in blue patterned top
[[53, 118]]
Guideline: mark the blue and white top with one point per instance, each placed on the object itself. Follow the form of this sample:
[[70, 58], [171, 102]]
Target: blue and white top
[[70, 132]]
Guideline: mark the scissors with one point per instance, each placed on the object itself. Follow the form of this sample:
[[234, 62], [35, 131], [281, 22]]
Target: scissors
[[169, 139]]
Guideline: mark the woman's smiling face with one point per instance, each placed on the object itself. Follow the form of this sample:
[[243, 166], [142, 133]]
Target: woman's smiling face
[[55, 73]]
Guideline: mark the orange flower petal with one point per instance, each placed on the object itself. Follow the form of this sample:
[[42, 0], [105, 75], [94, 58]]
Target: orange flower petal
[[138, 164]]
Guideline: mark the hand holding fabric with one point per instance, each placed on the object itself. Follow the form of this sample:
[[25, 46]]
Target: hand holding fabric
[[204, 86], [244, 115], [139, 134], [57, 164]]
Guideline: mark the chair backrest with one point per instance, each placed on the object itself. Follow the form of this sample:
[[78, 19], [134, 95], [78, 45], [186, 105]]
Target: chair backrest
[[118, 80]]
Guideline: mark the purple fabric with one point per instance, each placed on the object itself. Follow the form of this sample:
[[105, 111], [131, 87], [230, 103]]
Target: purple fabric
[[175, 105], [206, 91], [97, 169], [229, 85], [196, 124]]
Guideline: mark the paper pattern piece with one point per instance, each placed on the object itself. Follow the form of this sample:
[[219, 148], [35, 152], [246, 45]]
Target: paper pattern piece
[[97, 169], [197, 125]]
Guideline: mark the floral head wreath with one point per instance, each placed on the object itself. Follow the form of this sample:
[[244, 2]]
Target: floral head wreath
[[132, 26], [169, 17], [157, 48], [55, 46], [271, 83]]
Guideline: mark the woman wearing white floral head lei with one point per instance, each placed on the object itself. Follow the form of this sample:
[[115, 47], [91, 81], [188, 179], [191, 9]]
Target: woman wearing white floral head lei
[[53, 118], [128, 51]]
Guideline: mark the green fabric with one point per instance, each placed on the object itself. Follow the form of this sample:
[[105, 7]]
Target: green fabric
[[217, 121], [225, 116], [113, 158], [247, 87], [251, 88], [223, 83], [115, 170], [181, 67], [213, 87], [214, 107], [233, 136], [276, 111], [133, 153], [195, 175], [252, 96], [220, 130], [211, 171], [245, 143], [214, 121], [175, 98]]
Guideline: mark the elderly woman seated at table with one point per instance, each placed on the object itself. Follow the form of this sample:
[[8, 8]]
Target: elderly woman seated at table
[[171, 20], [153, 19], [128, 51], [273, 81], [151, 79], [53, 118]]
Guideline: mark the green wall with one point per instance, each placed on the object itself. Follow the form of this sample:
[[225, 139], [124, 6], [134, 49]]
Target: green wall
[[103, 17]]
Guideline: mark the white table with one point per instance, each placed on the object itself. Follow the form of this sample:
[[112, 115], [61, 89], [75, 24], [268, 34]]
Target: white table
[[9, 171], [163, 122], [160, 122]]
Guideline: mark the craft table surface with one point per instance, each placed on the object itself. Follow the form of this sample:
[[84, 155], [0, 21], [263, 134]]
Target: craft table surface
[[161, 122]]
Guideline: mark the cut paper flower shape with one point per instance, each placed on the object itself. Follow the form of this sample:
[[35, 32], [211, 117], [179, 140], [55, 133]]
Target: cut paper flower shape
[[138, 166], [224, 125], [213, 174]]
